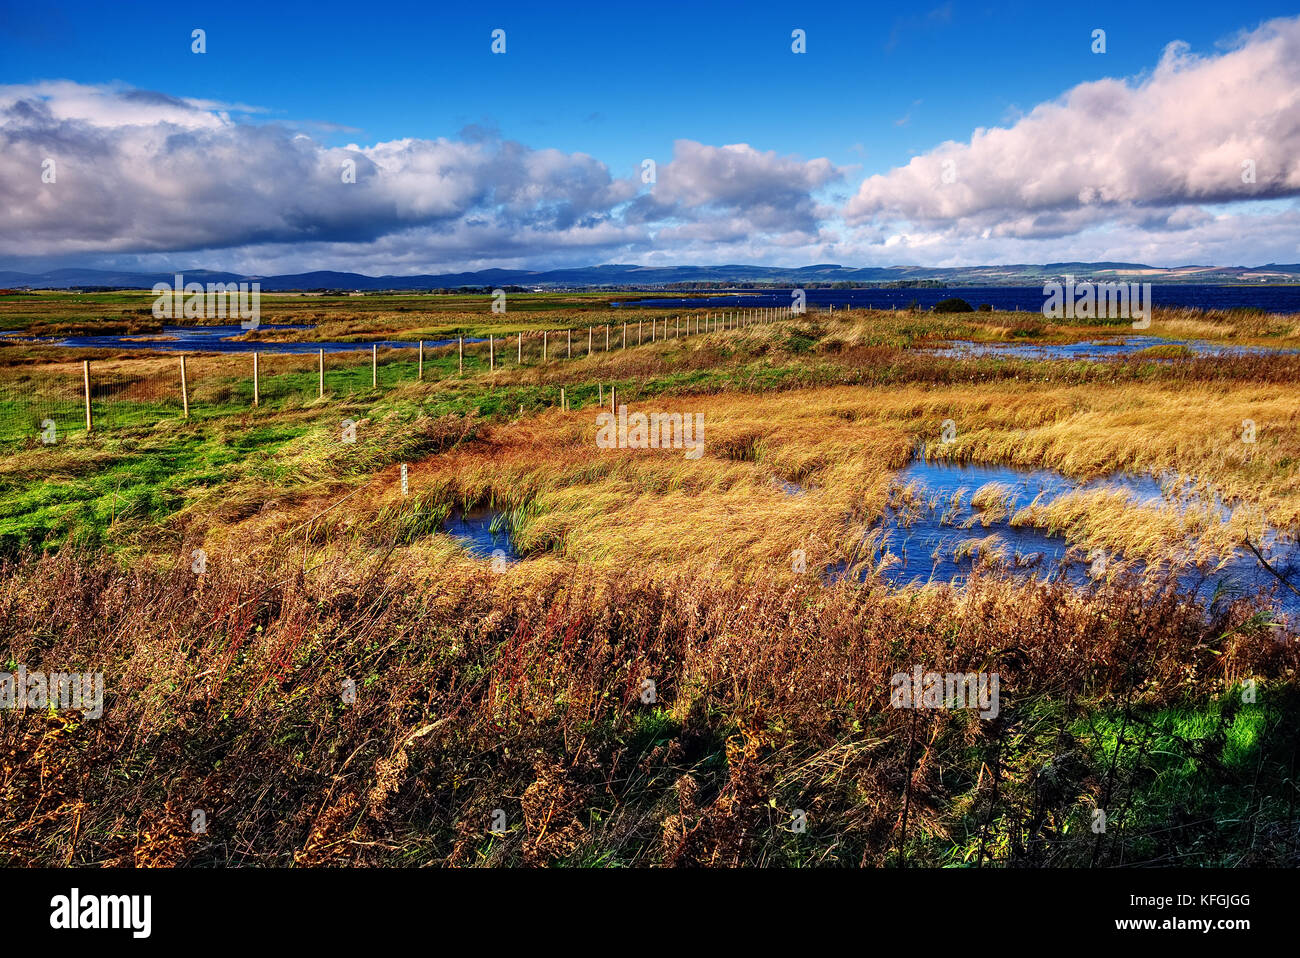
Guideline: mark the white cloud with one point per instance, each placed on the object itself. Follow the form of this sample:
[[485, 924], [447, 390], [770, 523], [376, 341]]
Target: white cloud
[[766, 191], [142, 175], [1140, 154]]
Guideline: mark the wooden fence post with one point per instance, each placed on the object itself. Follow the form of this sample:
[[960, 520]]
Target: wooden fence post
[[420, 373], [460, 354], [563, 407], [320, 374], [607, 337], [613, 402], [624, 343], [492, 353], [569, 349], [639, 324], [600, 400], [185, 391], [589, 333], [543, 347], [257, 395], [374, 366], [520, 357], [85, 378]]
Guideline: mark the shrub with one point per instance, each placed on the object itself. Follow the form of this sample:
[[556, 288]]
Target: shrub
[[476, 691], [953, 304]]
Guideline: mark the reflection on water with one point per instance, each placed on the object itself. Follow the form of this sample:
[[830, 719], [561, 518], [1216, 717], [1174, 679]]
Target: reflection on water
[[483, 532], [1096, 349], [963, 514], [215, 339]]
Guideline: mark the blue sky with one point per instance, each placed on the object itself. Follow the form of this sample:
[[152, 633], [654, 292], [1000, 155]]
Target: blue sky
[[620, 83]]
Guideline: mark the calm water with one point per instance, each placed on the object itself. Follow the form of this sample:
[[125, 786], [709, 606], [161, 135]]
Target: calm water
[[940, 540], [931, 544], [1274, 299], [483, 532], [217, 339], [1095, 349]]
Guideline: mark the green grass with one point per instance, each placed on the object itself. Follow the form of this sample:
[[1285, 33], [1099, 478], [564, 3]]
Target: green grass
[[132, 480], [1177, 769]]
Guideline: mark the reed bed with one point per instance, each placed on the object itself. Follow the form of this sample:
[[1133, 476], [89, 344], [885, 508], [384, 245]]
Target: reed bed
[[526, 692]]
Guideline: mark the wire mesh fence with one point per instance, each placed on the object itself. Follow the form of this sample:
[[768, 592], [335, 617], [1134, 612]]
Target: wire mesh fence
[[133, 394], [47, 403], [42, 403]]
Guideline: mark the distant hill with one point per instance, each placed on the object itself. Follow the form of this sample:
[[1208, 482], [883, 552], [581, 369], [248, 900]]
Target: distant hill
[[652, 277]]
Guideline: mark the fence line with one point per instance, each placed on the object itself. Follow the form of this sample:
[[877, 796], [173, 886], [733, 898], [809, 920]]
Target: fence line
[[48, 405]]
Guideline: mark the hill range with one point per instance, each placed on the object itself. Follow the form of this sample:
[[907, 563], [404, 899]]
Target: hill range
[[655, 277]]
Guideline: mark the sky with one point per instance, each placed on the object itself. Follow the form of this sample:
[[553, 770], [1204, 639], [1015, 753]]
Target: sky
[[392, 139]]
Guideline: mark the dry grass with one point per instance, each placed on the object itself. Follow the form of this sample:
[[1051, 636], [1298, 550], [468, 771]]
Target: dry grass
[[727, 511], [524, 692]]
